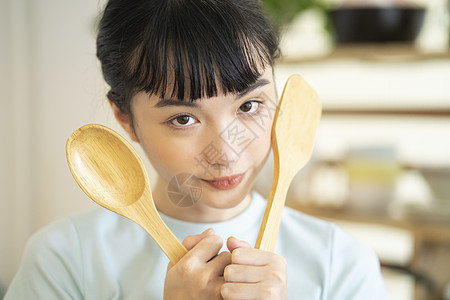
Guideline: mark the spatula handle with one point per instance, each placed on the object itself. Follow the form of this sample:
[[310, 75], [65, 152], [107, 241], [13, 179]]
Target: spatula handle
[[268, 232], [301, 109]]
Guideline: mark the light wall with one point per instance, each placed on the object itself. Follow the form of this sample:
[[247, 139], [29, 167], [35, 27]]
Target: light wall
[[50, 85]]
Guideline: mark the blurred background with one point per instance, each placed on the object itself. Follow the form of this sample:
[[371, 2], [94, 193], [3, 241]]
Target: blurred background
[[381, 165]]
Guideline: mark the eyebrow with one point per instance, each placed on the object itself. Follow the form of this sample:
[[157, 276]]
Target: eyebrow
[[172, 102], [258, 83]]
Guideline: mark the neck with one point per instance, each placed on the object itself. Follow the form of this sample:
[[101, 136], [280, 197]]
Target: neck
[[199, 212]]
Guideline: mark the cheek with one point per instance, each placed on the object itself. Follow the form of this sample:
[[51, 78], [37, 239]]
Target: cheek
[[170, 157], [263, 142], [259, 149]]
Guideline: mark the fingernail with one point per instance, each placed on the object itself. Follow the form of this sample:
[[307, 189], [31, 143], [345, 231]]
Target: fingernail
[[242, 243], [208, 231], [236, 240], [239, 242]]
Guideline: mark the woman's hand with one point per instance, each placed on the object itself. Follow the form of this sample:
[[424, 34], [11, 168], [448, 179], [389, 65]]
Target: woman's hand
[[253, 273], [199, 274]]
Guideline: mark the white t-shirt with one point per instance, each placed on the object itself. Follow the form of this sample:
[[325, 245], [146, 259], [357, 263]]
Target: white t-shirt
[[101, 255]]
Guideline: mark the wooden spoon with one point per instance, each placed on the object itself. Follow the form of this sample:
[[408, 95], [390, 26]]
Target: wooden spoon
[[293, 131], [112, 174]]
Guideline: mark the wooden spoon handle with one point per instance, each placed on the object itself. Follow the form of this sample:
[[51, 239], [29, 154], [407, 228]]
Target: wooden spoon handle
[[148, 218]]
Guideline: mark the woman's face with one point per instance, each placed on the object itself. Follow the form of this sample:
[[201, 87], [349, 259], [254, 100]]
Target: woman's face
[[216, 145]]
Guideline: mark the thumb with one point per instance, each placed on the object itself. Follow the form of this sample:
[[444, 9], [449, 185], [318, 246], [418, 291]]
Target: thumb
[[234, 243], [192, 240]]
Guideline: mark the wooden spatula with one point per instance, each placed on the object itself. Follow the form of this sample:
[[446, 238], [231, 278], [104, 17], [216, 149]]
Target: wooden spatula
[[293, 132]]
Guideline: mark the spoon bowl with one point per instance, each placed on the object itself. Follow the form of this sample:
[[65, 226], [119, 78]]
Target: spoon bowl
[[90, 151], [293, 132], [111, 173]]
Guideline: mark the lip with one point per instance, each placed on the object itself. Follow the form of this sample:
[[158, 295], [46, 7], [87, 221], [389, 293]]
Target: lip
[[226, 182]]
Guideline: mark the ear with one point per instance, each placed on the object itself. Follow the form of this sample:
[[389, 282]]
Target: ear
[[124, 120]]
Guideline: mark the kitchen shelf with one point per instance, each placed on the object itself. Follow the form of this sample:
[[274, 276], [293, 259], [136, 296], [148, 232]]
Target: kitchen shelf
[[349, 86], [431, 243], [435, 231], [444, 112], [373, 52]]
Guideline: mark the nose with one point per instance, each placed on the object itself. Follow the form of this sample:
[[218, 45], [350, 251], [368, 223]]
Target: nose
[[230, 140], [226, 142], [218, 155]]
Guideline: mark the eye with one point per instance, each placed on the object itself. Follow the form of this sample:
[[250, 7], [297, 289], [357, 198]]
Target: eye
[[182, 121], [250, 107]]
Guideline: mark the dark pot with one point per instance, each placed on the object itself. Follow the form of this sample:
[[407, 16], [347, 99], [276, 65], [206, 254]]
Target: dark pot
[[376, 24]]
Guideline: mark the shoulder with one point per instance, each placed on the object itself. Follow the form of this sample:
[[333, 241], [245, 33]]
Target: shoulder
[[68, 240], [58, 260], [62, 238], [300, 227], [296, 227], [324, 236], [69, 229], [58, 234], [51, 265], [87, 232], [353, 270], [347, 268]]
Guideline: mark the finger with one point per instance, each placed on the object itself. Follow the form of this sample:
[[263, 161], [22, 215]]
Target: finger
[[206, 249], [256, 257], [245, 274], [219, 263], [233, 243], [192, 240], [250, 291], [239, 291]]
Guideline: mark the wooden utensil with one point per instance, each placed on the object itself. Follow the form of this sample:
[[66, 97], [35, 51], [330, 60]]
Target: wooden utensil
[[293, 131], [111, 173]]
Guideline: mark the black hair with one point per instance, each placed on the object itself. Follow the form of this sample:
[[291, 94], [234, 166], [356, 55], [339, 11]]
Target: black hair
[[183, 49]]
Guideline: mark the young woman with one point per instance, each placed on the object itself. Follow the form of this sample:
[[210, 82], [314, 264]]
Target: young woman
[[191, 81]]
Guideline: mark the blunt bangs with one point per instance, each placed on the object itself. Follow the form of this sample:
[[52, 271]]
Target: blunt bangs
[[194, 49]]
